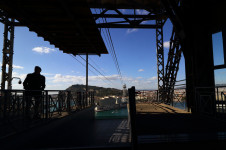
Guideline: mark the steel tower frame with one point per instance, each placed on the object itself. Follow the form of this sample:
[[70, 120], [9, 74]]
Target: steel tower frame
[[7, 57], [172, 65], [160, 60]]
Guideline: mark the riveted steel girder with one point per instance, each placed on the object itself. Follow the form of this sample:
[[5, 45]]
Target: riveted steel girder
[[160, 60], [7, 59]]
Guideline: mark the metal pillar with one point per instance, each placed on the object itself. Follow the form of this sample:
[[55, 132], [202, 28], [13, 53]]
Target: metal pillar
[[132, 116], [160, 60], [7, 60]]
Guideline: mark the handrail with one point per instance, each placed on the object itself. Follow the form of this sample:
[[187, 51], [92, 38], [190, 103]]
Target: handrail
[[24, 103], [14, 90]]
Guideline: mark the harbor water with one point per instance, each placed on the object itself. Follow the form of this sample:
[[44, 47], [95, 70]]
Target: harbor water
[[123, 112], [112, 114]]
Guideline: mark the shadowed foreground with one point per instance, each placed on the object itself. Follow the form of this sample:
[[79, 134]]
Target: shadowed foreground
[[77, 130], [157, 123]]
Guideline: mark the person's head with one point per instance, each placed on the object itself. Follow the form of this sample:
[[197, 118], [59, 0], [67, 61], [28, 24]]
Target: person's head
[[37, 69]]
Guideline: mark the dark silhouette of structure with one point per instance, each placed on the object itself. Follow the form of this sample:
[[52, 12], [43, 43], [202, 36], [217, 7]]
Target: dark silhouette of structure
[[72, 26]]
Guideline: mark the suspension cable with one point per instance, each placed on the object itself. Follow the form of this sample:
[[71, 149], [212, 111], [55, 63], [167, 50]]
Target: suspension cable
[[91, 70], [112, 50]]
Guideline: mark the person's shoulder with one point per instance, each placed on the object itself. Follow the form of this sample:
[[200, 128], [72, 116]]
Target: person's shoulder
[[42, 76], [29, 74]]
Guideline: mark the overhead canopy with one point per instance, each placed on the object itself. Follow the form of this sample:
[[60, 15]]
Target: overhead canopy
[[67, 24]]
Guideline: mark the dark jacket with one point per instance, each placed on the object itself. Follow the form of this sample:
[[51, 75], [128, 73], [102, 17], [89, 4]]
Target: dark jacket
[[34, 82]]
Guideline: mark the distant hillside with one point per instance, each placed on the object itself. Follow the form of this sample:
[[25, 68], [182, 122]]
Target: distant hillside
[[221, 84], [99, 91]]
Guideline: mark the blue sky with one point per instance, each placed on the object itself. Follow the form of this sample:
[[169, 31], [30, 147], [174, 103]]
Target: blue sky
[[218, 56], [135, 50]]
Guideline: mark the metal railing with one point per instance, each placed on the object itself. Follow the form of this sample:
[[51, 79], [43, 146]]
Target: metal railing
[[20, 104], [209, 101], [220, 102], [148, 96], [202, 94]]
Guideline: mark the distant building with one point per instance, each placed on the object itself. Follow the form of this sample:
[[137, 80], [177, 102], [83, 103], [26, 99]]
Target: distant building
[[107, 101], [124, 91]]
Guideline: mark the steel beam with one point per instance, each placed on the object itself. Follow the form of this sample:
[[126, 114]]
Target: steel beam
[[148, 17], [129, 20], [4, 19], [175, 14], [111, 25], [7, 60], [160, 60], [172, 66]]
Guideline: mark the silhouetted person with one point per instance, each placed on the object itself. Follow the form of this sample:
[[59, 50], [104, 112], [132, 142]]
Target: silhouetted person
[[34, 83]]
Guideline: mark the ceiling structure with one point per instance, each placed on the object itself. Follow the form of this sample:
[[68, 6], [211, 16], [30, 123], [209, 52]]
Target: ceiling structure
[[60, 23], [71, 26], [125, 4]]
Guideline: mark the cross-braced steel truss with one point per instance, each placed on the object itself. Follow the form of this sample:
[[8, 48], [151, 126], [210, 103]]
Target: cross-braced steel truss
[[120, 20], [160, 60], [172, 65], [7, 59]]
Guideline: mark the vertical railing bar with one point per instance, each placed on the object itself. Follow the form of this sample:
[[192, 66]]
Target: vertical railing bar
[[23, 104], [132, 111], [59, 103], [68, 102], [5, 104], [13, 102], [222, 105], [83, 97], [46, 98], [16, 104], [42, 106], [218, 101]]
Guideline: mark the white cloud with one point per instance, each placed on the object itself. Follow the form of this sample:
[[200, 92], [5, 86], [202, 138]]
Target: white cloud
[[18, 67], [15, 84], [47, 74], [140, 70], [61, 82], [153, 78], [68, 78], [131, 30], [21, 76], [166, 44], [140, 82], [42, 50], [81, 79], [14, 66]]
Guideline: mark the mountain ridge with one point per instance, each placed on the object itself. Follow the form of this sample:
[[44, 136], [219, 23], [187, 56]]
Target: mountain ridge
[[99, 91]]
